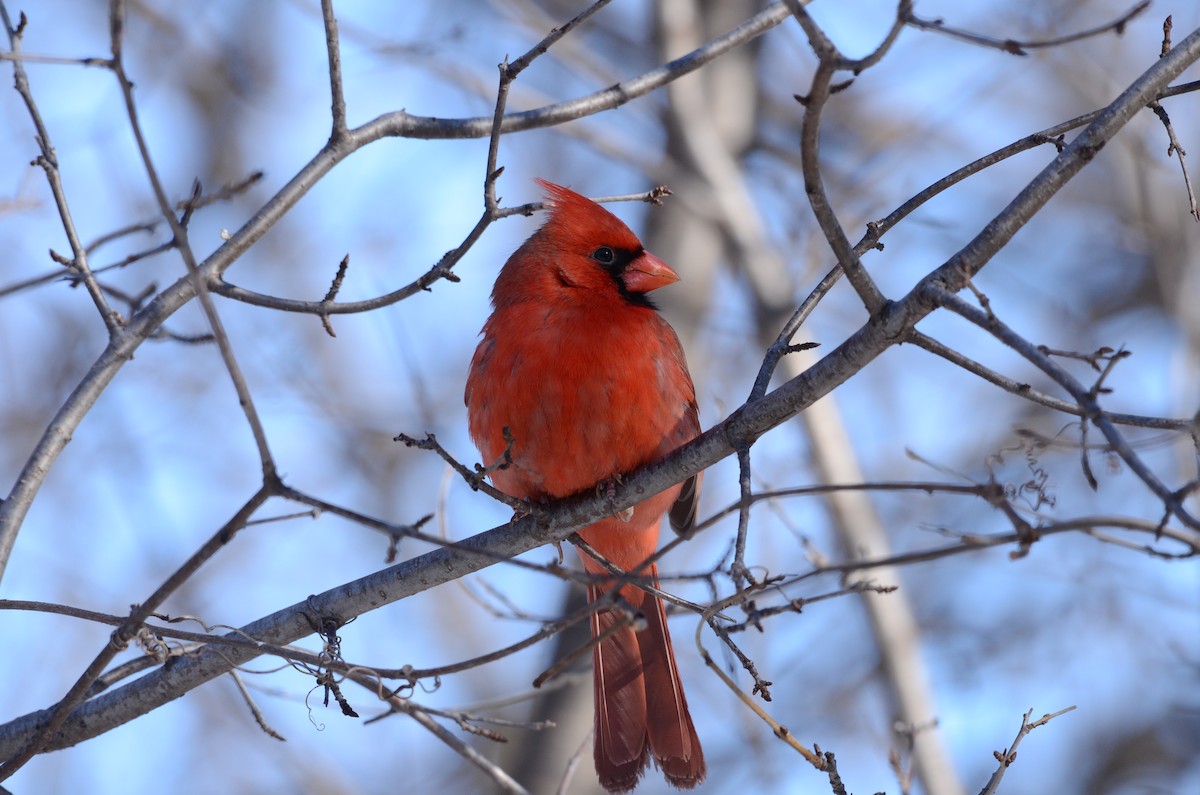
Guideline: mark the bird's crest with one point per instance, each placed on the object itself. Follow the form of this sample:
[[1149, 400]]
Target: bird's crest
[[576, 216]]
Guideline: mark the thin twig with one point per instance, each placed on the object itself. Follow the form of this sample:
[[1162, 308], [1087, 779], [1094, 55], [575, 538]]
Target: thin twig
[[1026, 391], [568, 775], [48, 160], [653, 196], [778, 729], [1009, 755], [1173, 148], [224, 193], [259, 718], [337, 97], [984, 491], [737, 568], [626, 619], [1091, 410], [179, 232], [830, 61], [475, 479], [546, 632], [503, 781], [334, 287], [1016, 47]]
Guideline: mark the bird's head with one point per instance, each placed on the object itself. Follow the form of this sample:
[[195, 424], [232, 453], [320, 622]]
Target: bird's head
[[583, 246]]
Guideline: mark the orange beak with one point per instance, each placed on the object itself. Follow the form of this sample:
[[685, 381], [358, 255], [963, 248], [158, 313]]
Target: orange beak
[[647, 273]]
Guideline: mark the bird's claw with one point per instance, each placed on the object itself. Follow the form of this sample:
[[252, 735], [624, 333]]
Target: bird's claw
[[608, 488]]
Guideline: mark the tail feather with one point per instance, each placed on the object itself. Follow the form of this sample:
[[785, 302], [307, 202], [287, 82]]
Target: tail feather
[[621, 747], [640, 706], [673, 739]]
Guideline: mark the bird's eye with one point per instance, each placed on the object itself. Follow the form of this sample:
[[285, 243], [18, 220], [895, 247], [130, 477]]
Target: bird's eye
[[604, 255]]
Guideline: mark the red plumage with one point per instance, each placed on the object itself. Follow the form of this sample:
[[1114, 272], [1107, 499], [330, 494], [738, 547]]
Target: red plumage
[[591, 382]]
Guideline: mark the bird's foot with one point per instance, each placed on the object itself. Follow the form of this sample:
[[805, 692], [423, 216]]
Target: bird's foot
[[608, 488]]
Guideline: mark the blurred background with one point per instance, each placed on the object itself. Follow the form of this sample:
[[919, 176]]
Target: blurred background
[[225, 89]]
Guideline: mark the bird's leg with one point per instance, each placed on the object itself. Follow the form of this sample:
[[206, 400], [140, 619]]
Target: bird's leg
[[608, 489]]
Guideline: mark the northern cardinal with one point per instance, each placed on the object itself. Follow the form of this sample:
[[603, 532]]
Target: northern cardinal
[[591, 383]]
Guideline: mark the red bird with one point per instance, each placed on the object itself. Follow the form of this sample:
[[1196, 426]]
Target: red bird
[[591, 383]]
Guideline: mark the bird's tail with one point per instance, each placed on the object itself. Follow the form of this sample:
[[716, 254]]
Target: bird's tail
[[640, 706]]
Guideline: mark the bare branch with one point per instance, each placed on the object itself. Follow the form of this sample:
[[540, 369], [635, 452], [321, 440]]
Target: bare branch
[[831, 61], [337, 99], [259, 718], [1009, 755], [1090, 409], [405, 125], [57, 715], [180, 234], [1015, 47], [502, 780], [778, 729], [1175, 149], [1029, 393], [48, 160]]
